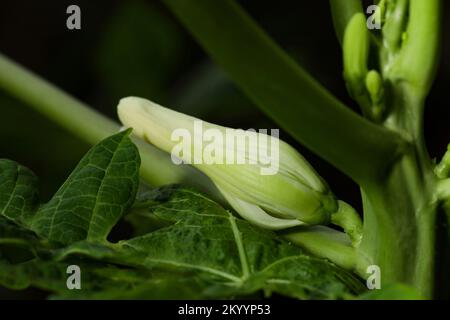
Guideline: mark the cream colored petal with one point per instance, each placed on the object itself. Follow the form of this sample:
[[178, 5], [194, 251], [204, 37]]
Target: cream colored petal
[[257, 216]]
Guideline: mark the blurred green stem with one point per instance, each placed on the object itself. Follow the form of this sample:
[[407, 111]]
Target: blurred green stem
[[88, 124]]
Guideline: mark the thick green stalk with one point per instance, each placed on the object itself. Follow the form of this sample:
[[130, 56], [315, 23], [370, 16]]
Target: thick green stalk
[[87, 124], [286, 92], [400, 207], [398, 234]]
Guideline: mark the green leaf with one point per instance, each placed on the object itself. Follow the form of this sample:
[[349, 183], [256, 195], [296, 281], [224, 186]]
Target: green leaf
[[94, 197], [195, 248], [18, 191], [285, 91], [9, 230], [18, 244], [223, 250], [102, 281], [139, 217]]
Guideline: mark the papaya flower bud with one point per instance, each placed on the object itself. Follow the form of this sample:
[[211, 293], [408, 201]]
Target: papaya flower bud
[[269, 194], [356, 45]]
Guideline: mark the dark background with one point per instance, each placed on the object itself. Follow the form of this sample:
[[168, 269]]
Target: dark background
[[136, 47]]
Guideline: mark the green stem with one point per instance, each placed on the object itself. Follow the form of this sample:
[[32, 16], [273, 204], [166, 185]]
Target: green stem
[[400, 209], [60, 107], [394, 27], [443, 189], [327, 243], [89, 125], [419, 56], [442, 170], [399, 227], [347, 218]]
